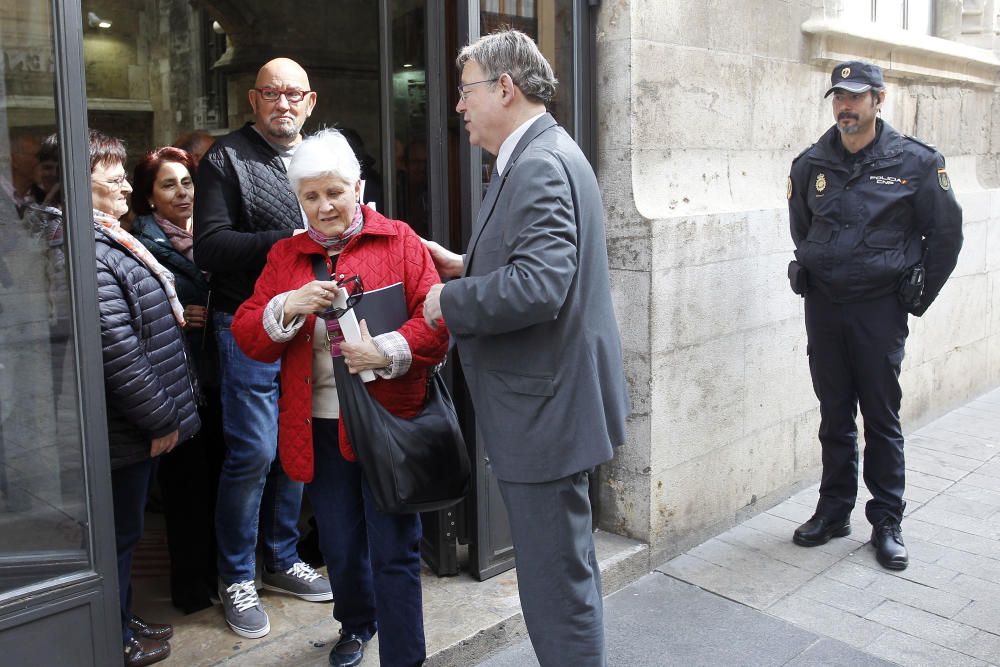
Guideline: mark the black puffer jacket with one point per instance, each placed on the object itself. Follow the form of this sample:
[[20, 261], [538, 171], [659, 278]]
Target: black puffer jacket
[[245, 205], [147, 381]]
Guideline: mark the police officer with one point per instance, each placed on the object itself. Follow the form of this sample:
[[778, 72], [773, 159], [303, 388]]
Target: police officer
[[877, 232]]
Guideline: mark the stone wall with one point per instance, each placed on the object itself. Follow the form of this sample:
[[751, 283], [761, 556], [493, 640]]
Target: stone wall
[[701, 108]]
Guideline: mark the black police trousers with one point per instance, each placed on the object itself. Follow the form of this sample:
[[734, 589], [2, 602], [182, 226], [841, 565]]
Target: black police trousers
[[855, 351]]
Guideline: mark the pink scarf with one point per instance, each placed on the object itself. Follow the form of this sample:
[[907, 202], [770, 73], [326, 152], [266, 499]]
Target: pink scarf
[[113, 228], [180, 238], [338, 243]]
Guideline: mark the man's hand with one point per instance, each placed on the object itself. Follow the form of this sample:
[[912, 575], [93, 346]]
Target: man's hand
[[432, 306], [195, 316], [448, 264], [364, 355], [164, 444]]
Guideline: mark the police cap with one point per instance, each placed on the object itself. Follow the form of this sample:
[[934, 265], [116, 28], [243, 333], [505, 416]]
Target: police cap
[[856, 76]]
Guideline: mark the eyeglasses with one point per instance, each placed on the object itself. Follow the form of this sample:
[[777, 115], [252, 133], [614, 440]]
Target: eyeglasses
[[114, 183], [272, 94], [463, 86], [355, 290]]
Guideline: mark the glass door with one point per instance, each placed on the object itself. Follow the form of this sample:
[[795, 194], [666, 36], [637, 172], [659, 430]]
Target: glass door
[[57, 569]]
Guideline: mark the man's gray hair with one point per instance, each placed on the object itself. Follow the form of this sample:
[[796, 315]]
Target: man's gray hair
[[325, 153], [514, 53]]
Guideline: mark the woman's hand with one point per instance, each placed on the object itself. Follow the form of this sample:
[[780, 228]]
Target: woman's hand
[[164, 444], [314, 297], [364, 355], [195, 316]]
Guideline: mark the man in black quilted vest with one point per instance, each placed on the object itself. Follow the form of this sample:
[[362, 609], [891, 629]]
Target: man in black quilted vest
[[244, 204]]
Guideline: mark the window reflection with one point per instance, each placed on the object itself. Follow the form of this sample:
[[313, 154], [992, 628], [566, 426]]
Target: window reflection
[[43, 513], [550, 24]]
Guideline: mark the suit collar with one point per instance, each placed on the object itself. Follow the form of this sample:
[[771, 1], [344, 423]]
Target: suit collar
[[542, 123]]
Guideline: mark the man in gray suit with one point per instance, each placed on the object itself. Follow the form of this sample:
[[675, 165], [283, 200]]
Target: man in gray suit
[[531, 314]]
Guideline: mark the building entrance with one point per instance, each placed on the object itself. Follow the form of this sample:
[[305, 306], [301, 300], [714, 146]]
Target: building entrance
[[149, 72]]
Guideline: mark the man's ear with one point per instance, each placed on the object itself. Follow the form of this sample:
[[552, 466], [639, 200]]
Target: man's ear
[[507, 86], [253, 100]]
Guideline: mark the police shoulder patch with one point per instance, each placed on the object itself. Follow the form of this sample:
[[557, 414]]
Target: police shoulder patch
[[943, 179], [788, 192]]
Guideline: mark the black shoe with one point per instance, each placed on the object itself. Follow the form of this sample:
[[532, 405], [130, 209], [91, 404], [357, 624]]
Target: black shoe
[[348, 650], [887, 538], [142, 651], [159, 631], [819, 529]]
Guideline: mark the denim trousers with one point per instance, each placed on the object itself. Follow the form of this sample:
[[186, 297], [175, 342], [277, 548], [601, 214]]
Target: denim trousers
[[373, 559], [129, 489], [254, 491]]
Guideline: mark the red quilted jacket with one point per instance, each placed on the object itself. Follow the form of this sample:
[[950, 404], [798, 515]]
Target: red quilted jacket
[[386, 252]]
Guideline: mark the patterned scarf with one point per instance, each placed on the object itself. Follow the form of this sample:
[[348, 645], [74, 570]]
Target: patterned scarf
[[179, 238], [338, 243], [113, 228]]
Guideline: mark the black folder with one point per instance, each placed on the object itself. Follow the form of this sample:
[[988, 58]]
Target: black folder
[[383, 309]]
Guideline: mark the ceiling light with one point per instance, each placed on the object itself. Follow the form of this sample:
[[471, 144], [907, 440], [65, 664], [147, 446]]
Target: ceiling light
[[96, 21]]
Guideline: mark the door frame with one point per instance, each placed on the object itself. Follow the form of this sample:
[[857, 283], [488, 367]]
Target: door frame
[[96, 587]]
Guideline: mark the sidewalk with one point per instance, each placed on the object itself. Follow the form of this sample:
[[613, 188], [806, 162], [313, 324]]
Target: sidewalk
[[752, 597]]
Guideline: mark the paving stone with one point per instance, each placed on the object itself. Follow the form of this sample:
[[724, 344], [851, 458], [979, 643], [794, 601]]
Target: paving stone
[[852, 574], [982, 614], [939, 464], [951, 503], [958, 522], [755, 583], [982, 495], [810, 559], [929, 574], [792, 511], [972, 448], [968, 423], [981, 481], [925, 551], [984, 645], [973, 588], [981, 567], [915, 494], [906, 649], [827, 620], [842, 596], [917, 622], [932, 600], [991, 469], [956, 539], [926, 480], [827, 652]]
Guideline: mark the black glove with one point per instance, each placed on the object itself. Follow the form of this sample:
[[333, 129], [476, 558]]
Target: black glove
[[798, 278]]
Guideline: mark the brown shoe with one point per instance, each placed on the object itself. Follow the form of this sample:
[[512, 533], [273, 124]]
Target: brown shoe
[[141, 651], [150, 630]]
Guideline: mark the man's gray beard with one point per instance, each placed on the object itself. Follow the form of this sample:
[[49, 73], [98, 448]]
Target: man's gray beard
[[281, 133], [849, 129]]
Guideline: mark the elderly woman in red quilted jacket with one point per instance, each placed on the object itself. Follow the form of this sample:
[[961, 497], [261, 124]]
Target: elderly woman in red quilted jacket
[[373, 559]]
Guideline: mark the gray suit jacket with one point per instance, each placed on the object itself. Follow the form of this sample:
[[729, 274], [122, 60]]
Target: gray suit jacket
[[532, 316]]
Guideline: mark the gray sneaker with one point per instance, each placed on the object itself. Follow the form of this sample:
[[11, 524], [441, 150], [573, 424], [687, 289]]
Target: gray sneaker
[[244, 613], [299, 580]]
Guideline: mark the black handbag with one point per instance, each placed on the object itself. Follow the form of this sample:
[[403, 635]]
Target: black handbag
[[411, 465]]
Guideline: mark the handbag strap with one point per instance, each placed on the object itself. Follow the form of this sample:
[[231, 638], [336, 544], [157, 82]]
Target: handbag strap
[[319, 268]]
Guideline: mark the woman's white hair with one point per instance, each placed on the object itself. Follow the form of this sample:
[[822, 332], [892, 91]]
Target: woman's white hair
[[325, 153]]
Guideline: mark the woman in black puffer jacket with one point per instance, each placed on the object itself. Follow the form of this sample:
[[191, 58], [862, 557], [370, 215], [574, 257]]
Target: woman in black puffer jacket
[[147, 379]]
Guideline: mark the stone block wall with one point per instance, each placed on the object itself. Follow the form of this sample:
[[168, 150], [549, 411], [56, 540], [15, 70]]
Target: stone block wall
[[701, 108]]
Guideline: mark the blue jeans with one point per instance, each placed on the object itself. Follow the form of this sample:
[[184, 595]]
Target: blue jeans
[[129, 488], [373, 559], [253, 486]]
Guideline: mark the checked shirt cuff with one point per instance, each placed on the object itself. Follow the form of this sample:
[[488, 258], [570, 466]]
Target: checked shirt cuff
[[397, 351], [274, 314]]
